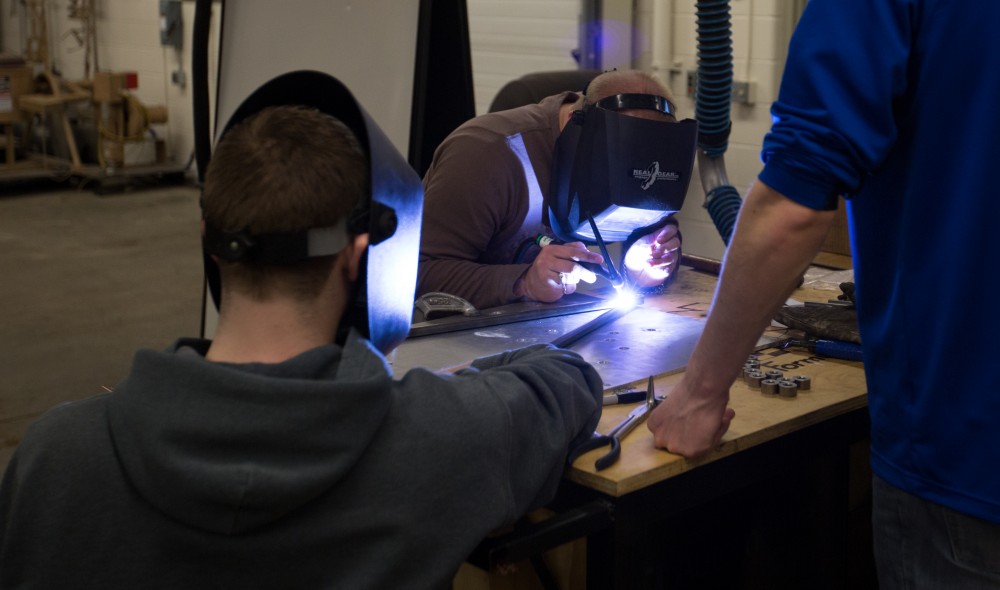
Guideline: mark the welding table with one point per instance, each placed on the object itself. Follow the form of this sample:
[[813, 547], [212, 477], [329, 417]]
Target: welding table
[[784, 503]]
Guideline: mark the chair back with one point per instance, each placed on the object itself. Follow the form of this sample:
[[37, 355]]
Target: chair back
[[533, 87]]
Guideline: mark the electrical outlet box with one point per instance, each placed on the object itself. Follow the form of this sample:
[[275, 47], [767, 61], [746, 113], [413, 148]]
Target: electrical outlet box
[[743, 92], [171, 24], [178, 78]]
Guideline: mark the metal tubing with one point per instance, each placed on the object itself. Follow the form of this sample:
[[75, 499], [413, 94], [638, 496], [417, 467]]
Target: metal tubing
[[570, 338]]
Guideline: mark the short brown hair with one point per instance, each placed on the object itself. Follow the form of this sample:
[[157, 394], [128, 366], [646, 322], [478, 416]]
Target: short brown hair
[[284, 169]]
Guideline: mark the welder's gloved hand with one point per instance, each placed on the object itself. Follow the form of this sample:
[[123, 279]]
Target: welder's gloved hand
[[555, 272], [653, 257]]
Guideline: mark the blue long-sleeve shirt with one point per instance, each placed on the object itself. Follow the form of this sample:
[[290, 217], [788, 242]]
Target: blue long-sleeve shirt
[[895, 104]]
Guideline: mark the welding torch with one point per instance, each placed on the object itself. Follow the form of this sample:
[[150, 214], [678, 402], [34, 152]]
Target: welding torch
[[609, 273]]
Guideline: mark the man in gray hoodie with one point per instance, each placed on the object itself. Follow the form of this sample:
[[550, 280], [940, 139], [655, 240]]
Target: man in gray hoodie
[[279, 454]]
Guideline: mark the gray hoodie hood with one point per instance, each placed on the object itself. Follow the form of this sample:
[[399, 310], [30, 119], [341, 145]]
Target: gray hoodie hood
[[229, 472]]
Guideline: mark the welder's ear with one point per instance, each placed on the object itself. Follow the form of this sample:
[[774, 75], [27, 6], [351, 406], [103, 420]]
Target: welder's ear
[[356, 249]]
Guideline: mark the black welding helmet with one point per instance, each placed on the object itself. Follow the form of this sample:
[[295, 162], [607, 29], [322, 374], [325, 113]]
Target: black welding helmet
[[619, 172], [382, 303]]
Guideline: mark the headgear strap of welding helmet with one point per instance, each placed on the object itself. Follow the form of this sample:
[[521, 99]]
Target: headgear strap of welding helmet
[[275, 248], [649, 102]]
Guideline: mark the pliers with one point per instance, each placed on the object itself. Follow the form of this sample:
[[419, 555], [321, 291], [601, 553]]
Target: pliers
[[613, 438]]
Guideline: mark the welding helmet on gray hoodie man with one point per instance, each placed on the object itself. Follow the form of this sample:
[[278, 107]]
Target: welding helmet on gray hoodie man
[[381, 305], [619, 173]]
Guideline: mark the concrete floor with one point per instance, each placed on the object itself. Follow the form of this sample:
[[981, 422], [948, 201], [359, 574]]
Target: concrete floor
[[85, 280]]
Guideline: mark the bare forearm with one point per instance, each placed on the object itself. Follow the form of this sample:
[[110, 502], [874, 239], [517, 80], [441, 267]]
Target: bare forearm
[[774, 241]]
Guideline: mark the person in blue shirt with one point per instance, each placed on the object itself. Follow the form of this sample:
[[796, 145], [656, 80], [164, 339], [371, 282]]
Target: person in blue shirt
[[891, 104]]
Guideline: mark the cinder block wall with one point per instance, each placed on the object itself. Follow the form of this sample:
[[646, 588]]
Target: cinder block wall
[[761, 29], [513, 38]]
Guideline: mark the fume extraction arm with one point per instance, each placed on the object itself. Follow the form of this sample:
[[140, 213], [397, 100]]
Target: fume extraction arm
[[712, 110]]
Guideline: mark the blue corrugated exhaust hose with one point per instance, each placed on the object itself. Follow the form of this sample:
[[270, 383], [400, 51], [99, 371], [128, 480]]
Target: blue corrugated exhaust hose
[[712, 110]]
